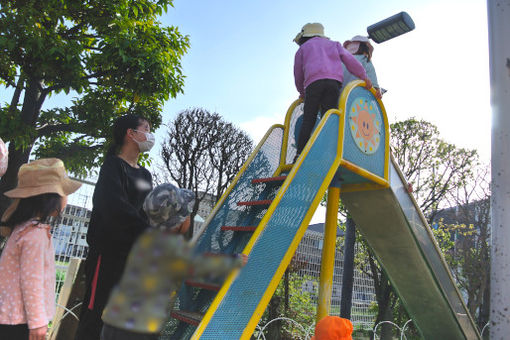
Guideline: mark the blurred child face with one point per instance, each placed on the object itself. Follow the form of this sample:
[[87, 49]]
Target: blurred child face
[[183, 227]]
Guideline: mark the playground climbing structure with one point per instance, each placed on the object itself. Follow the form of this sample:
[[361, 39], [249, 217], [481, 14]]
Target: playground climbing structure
[[268, 206]]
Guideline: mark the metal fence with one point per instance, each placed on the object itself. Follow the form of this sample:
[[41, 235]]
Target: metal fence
[[69, 240], [69, 231], [308, 258]]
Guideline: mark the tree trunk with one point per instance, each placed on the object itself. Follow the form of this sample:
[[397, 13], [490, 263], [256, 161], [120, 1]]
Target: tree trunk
[[286, 288], [348, 271], [386, 329], [10, 179], [274, 330], [484, 315], [384, 313], [32, 103]]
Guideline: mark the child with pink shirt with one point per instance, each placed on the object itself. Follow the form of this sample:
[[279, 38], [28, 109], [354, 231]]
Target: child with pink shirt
[[27, 263], [318, 75]]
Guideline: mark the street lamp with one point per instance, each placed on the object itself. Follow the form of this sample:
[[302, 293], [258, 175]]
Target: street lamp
[[391, 27]]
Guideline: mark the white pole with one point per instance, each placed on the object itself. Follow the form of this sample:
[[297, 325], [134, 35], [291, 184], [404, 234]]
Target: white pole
[[499, 56]]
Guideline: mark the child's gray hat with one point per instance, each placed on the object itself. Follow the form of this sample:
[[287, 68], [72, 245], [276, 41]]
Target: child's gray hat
[[167, 206]]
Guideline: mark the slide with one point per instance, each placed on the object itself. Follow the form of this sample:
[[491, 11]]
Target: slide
[[267, 208]]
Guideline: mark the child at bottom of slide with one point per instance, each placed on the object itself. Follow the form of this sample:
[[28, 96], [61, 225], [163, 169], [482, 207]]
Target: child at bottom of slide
[[158, 263]]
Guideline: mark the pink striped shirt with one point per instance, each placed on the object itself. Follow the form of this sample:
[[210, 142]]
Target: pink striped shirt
[[27, 277]]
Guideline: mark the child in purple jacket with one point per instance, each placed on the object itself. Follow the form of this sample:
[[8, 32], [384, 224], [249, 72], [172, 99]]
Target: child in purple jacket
[[318, 75]]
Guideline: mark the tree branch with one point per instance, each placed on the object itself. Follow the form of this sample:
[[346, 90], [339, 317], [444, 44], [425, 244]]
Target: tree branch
[[50, 129]]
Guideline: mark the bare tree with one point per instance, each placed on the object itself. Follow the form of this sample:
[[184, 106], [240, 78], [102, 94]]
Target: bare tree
[[203, 153]]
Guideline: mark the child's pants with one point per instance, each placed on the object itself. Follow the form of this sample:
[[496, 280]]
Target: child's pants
[[322, 94], [14, 332], [114, 333]]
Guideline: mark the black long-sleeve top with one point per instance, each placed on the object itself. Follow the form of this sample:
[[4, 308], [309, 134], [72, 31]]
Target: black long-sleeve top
[[117, 216]]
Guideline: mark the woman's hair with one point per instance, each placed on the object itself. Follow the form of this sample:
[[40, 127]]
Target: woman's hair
[[302, 40], [38, 207], [363, 49], [120, 127]]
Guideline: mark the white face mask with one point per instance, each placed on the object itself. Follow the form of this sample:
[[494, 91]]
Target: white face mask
[[147, 144]]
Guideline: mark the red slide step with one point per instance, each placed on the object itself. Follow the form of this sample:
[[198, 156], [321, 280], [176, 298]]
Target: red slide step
[[269, 179], [203, 285], [192, 318], [254, 203], [238, 228]]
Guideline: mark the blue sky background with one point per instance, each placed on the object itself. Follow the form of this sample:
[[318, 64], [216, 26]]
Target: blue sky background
[[241, 59], [240, 63]]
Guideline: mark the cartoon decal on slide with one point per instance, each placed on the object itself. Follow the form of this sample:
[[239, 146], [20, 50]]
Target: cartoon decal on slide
[[365, 125]]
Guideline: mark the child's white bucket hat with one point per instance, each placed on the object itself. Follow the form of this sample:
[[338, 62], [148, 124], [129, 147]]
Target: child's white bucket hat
[[310, 30], [353, 44]]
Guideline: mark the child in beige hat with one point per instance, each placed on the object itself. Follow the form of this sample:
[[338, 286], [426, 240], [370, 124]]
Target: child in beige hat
[[318, 75], [27, 263]]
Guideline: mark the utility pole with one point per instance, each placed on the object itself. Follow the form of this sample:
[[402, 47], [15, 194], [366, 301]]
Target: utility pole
[[499, 62]]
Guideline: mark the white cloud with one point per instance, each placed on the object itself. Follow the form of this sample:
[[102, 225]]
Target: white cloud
[[258, 126]]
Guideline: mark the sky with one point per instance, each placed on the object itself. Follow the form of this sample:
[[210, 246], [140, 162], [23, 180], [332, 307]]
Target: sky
[[240, 63]]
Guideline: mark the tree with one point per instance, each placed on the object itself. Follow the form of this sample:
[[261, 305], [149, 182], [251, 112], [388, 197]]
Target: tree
[[203, 153], [113, 55], [291, 300], [463, 233], [433, 167], [436, 170]]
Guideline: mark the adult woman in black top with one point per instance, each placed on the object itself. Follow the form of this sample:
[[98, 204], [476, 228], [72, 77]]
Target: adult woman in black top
[[117, 218]]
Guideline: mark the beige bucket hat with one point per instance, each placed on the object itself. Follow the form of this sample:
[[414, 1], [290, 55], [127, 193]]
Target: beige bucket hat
[[353, 44], [42, 176], [310, 30]]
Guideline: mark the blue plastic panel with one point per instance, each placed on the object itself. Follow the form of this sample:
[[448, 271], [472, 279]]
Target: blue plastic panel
[[365, 137], [263, 165], [215, 240], [238, 305]]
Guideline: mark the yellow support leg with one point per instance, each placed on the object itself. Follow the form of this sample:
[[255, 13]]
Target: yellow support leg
[[328, 254]]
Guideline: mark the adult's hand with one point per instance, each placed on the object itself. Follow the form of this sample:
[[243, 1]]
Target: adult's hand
[[38, 333]]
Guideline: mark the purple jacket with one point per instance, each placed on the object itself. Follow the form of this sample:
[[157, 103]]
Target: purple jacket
[[321, 58]]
